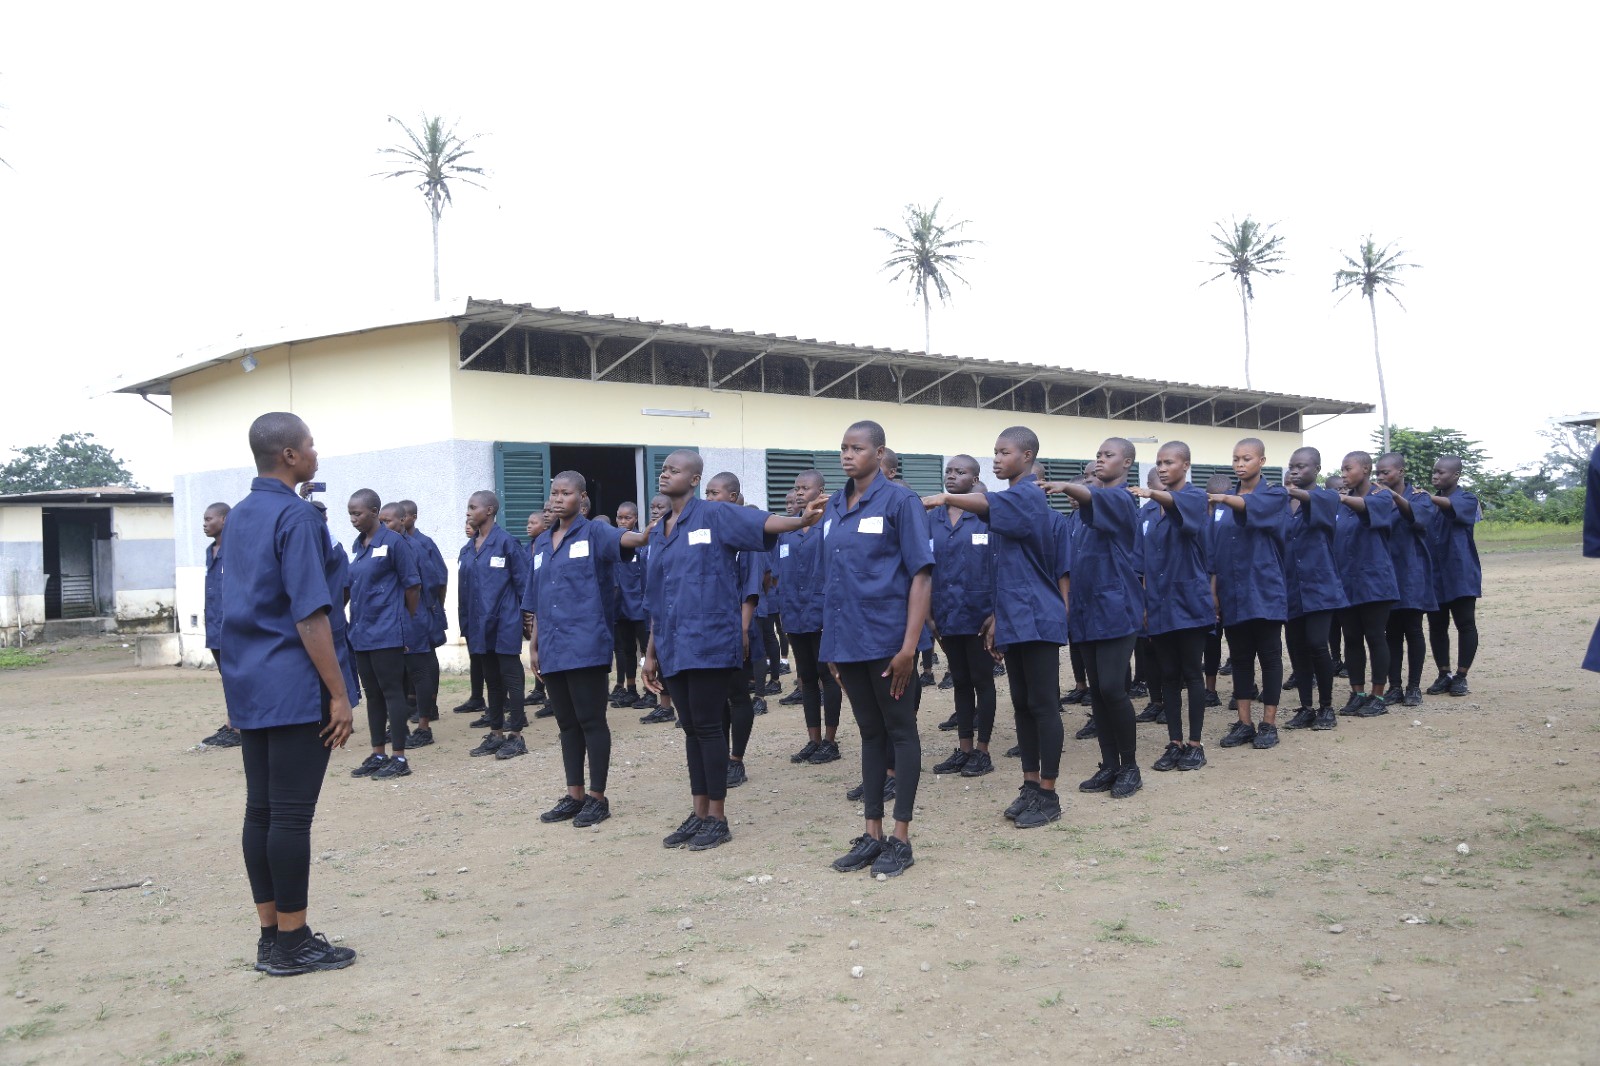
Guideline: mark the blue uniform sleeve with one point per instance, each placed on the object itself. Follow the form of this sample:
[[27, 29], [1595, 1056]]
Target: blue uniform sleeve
[[1114, 511], [1063, 559], [1011, 514], [749, 576], [1266, 506], [1591, 509], [740, 528], [1381, 511], [1422, 512], [606, 541], [1190, 511], [301, 546], [1136, 557], [530, 587], [911, 523], [407, 570], [1465, 509], [1322, 510], [521, 564]]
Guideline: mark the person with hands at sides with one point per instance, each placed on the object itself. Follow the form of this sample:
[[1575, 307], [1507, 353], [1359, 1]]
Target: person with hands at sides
[[1361, 553], [739, 713], [632, 631], [424, 631], [1178, 605], [1457, 576], [1251, 592], [1591, 545], [494, 569], [1217, 484], [659, 705], [474, 703], [211, 524], [1106, 613], [1316, 596], [285, 688], [963, 601], [538, 522], [798, 565], [385, 593], [693, 597], [1413, 574]]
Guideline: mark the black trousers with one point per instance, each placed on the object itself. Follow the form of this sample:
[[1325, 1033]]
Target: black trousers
[[1366, 629], [972, 674], [1257, 639], [503, 676], [422, 674], [283, 771], [1142, 669], [1311, 657], [819, 692], [1106, 662], [885, 723], [701, 697], [578, 698], [1180, 660], [475, 671], [383, 675], [1213, 650], [769, 643], [1034, 670], [1464, 612], [739, 714], [1075, 656], [631, 638], [1405, 638]]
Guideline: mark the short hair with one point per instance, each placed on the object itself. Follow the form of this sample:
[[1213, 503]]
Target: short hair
[[488, 497], [1218, 481], [392, 507], [891, 457], [1364, 458], [812, 474], [1178, 446], [1038, 470], [628, 503], [1449, 461], [873, 431], [573, 478], [367, 498], [689, 459], [726, 478], [1153, 476], [603, 519], [1393, 457], [321, 507], [1316, 456], [1332, 477], [218, 508], [1125, 446], [965, 458], [659, 496], [408, 508], [1022, 437], [1253, 442], [271, 433]]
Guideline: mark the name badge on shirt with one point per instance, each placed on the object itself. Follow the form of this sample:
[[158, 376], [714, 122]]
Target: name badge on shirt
[[827, 527], [580, 550], [783, 551], [538, 560], [1217, 517], [1146, 527], [497, 562], [871, 525], [980, 538], [699, 536], [380, 552]]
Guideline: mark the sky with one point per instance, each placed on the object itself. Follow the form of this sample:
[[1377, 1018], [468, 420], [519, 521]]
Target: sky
[[179, 173]]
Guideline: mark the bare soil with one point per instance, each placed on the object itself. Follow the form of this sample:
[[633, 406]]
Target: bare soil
[[1194, 922]]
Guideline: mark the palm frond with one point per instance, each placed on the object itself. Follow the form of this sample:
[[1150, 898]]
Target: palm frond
[[1250, 248]]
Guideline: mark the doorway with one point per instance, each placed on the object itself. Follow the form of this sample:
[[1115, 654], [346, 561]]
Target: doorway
[[614, 474], [72, 550]]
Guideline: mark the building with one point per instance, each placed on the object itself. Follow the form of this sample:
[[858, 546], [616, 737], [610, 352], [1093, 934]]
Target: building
[[85, 560], [472, 393]]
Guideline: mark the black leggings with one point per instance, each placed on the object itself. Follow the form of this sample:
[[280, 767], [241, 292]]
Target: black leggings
[[630, 637], [578, 698], [383, 675], [1213, 650], [1247, 642], [783, 638], [1142, 669], [503, 677], [885, 723], [1464, 611], [769, 642], [1405, 635], [819, 692], [1075, 657], [475, 671], [739, 714], [700, 697], [1034, 668], [1366, 628], [1106, 663], [422, 672], [1180, 657], [1310, 656], [283, 771], [1336, 644], [972, 674]]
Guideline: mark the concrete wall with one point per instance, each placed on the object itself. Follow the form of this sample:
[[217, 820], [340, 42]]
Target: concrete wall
[[21, 569]]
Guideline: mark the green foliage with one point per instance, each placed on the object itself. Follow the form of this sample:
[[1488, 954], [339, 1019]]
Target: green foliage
[[925, 253], [16, 658], [1561, 507], [74, 461], [1566, 461], [1378, 268], [1422, 447], [1248, 248]]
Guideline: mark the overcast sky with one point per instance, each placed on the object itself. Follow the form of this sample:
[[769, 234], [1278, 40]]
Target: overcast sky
[[183, 172]]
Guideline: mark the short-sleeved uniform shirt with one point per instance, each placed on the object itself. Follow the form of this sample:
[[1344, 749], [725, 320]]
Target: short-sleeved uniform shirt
[[1456, 569], [693, 590], [214, 571], [1177, 577], [567, 592], [752, 574], [381, 569], [1030, 558], [1412, 558], [493, 579], [963, 572], [873, 545], [1107, 602], [1311, 577], [430, 611], [1361, 552], [1248, 557], [797, 561], [630, 587]]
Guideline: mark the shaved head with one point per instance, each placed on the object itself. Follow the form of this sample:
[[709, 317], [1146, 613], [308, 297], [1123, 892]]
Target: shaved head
[[366, 498], [684, 459], [1253, 442], [727, 480], [1451, 463], [873, 431], [272, 433], [1125, 446], [487, 499], [811, 477], [1176, 446], [1022, 438], [1310, 453]]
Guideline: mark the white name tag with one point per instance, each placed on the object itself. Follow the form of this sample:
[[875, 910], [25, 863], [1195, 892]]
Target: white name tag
[[871, 525], [497, 562], [930, 544], [1146, 527], [538, 560], [699, 536], [580, 550], [380, 552], [1217, 517], [980, 538], [827, 527], [783, 551]]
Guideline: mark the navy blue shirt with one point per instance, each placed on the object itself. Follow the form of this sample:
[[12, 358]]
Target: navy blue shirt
[[1106, 600], [1029, 562], [1177, 578], [693, 590], [1361, 552], [380, 571], [276, 559], [752, 572], [1591, 545], [798, 564], [1408, 550], [963, 572], [493, 579], [873, 546], [430, 610], [630, 587], [767, 600], [213, 596], [1248, 557], [1456, 569], [1312, 578], [568, 591], [337, 570]]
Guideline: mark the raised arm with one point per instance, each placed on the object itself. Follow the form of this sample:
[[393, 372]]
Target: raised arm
[[776, 524], [1072, 489], [971, 502]]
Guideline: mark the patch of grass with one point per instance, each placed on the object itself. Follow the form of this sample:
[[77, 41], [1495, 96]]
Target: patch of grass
[[17, 658], [1331, 919], [1231, 962], [1117, 932], [1163, 905], [640, 1003], [1312, 968], [1166, 1022], [52, 1008], [1004, 844], [175, 1057], [30, 1030]]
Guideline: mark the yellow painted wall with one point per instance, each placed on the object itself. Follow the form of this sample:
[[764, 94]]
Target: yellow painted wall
[[21, 524], [142, 522]]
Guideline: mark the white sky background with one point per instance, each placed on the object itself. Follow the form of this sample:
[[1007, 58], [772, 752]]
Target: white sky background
[[180, 177]]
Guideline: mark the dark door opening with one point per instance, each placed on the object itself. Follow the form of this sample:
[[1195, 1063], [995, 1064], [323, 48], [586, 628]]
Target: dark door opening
[[612, 473], [69, 561]]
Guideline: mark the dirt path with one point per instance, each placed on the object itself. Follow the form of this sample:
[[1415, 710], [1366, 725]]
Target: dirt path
[[1191, 923]]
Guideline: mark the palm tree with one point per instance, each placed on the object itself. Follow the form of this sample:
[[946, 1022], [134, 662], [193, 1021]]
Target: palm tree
[[435, 156], [924, 254], [1378, 268], [1251, 248]]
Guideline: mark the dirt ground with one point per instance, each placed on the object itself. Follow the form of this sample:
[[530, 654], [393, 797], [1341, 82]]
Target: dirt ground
[[1304, 905]]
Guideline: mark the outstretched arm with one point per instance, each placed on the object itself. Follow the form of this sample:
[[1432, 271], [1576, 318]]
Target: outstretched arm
[[971, 502]]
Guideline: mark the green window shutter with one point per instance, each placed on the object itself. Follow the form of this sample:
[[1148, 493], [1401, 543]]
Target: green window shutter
[[654, 457], [784, 465], [924, 474], [1200, 473], [1066, 470], [521, 480]]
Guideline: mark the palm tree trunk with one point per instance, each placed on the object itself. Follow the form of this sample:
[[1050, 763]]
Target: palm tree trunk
[[435, 216], [1244, 305], [927, 328], [1383, 394]]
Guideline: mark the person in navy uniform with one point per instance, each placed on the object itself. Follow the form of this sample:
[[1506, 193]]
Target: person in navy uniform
[[1591, 545], [1361, 554], [422, 658], [798, 565], [1457, 576], [1413, 571], [212, 523], [285, 687], [1315, 593], [493, 573], [632, 631], [385, 592]]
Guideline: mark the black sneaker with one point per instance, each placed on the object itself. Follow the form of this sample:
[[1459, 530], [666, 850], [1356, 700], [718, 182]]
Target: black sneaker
[[683, 834], [864, 850], [1240, 733], [895, 858], [369, 766], [1226, 670], [264, 945], [628, 698], [1169, 758], [416, 718], [1301, 719], [946, 683], [534, 698], [854, 795], [772, 688], [1102, 780], [1023, 801], [314, 953], [829, 752], [758, 706], [545, 711], [1458, 686], [1373, 708], [646, 702], [736, 774], [488, 745], [514, 745], [596, 809], [1014, 751], [566, 807], [1212, 699], [999, 669], [480, 722], [1088, 731], [783, 667], [1413, 697], [805, 753], [713, 833], [227, 737], [1357, 701], [1128, 782], [1044, 807], [1233, 703], [398, 766], [1292, 681], [889, 789], [1075, 696], [660, 715], [419, 738], [1161, 716], [945, 726], [954, 764], [978, 763], [1138, 690], [214, 737], [793, 699], [472, 706], [1266, 736], [1442, 685], [616, 695], [1325, 719], [1194, 757], [1149, 713], [1340, 669], [926, 679]]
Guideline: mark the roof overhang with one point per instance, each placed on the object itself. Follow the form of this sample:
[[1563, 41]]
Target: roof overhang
[[98, 497]]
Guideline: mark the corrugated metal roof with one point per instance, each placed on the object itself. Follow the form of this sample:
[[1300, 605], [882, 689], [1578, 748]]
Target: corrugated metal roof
[[99, 494]]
